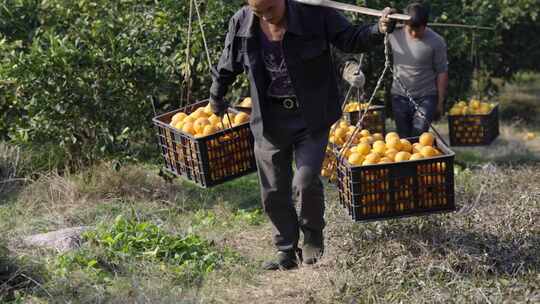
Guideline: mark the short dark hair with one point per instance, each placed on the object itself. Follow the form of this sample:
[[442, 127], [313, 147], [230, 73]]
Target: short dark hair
[[419, 13]]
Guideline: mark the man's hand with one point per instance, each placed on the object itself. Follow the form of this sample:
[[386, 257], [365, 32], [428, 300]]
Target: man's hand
[[387, 25], [439, 112], [353, 75], [218, 106]]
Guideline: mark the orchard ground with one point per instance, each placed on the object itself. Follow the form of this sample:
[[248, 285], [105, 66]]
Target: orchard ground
[[485, 252]]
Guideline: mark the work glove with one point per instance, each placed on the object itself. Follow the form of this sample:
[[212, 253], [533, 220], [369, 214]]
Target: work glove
[[218, 105], [387, 25], [353, 75]]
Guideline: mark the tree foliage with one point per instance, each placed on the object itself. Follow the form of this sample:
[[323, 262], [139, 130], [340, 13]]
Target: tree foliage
[[80, 75]]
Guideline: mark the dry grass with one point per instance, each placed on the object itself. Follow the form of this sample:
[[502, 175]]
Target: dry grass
[[509, 148], [10, 159], [520, 99], [487, 252]]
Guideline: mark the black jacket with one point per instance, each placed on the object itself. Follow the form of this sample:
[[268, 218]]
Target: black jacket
[[307, 53]]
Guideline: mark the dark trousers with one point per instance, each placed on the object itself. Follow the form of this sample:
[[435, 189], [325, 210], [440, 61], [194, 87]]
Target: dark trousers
[[286, 142], [409, 121]]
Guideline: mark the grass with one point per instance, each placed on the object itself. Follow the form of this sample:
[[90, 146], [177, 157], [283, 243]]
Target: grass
[[520, 99], [486, 252]]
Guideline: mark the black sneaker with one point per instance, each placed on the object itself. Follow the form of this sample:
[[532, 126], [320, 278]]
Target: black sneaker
[[285, 260], [313, 248]]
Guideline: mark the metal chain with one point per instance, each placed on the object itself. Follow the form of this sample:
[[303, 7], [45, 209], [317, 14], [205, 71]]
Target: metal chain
[[387, 67], [415, 104]]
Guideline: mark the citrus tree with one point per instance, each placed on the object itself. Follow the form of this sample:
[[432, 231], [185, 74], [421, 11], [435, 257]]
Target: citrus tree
[[81, 74]]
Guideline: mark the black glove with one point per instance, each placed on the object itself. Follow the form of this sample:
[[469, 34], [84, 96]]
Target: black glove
[[387, 25], [218, 105]]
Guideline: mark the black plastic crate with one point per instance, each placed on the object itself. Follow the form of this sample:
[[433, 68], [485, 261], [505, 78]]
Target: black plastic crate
[[206, 161], [374, 121], [474, 130], [400, 189]]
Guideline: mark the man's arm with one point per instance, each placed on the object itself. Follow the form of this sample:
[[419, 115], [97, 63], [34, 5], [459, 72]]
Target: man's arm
[[442, 86], [440, 64], [227, 70], [350, 38]]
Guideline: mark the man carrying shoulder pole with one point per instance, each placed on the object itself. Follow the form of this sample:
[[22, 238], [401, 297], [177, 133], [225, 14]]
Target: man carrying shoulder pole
[[420, 62], [284, 48]]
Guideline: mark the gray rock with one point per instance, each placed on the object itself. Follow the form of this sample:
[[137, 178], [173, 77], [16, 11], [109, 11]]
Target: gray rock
[[61, 240]]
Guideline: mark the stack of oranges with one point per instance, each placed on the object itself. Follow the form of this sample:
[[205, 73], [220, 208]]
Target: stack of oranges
[[390, 150], [474, 107], [355, 106], [342, 131], [202, 122]]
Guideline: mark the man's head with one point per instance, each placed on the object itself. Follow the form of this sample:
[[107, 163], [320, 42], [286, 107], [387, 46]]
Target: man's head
[[271, 11], [419, 13]]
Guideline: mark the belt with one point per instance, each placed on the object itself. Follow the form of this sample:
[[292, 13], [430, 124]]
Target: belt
[[288, 103]]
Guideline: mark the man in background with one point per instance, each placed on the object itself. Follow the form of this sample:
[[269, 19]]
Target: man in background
[[420, 62]]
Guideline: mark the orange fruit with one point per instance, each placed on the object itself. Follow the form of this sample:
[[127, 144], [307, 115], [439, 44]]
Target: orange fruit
[[391, 153], [340, 132], [214, 119], [209, 130], [188, 119], [529, 136], [363, 148], [179, 125], [366, 140], [369, 162], [227, 120], [198, 113], [402, 156], [417, 147], [339, 141], [379, 147], [365, 133], [373, 157], [394, 143], [178, 117], [188, 128], [345, 152], [378, 136], [390, 135], [208, 110], [241, 118], [385, 160], [475, 103], [416, 156], [406, 145], [344, 124], [428, 151], [426, 139], [200, 123], [356, 159]]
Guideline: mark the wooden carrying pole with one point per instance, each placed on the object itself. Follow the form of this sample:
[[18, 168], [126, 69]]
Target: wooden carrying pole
[[353, 8]]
